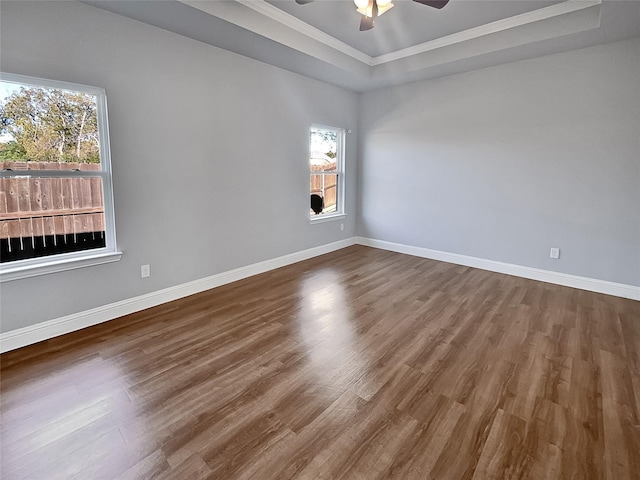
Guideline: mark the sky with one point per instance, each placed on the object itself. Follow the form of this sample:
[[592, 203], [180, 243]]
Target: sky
[[6, 89]]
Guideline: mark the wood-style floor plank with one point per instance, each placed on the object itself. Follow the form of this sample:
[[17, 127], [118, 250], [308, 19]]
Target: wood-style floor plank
[[359, 364]]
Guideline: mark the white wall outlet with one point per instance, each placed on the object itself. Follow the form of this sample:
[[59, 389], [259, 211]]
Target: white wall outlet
[[555, 253], [342, 227], [145, 271]]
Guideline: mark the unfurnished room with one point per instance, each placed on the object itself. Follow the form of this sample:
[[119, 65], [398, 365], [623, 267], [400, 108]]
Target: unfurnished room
[[320, 239]]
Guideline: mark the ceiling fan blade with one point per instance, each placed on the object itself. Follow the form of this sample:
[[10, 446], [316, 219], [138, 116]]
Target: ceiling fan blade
[[303, 2], [366, 23], [432, 3]]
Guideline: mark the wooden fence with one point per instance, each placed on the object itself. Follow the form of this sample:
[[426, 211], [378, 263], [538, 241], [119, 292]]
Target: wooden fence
[[36, 207], [325, 185]]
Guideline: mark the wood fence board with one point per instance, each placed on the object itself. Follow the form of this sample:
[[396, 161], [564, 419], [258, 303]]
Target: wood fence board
[[37, 227], [4, 226], [67, 224], [26, 229], [98, 222], [35, 194], [49, 225], [4, 230], [85, 193], [65, 194], [11, 192], [75, 193], [96, 192], [3, 195], [46, 190], [14, 228], [59, 225], [56, 194], [78, 224], [12, 195], [87, 223], [24, 196]]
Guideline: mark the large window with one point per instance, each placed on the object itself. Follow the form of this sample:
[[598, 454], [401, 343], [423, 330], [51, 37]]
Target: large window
[[326, 165], [56, 202]]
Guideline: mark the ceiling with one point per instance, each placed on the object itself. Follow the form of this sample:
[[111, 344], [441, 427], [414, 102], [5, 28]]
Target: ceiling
[[410, 42], [407, 24]]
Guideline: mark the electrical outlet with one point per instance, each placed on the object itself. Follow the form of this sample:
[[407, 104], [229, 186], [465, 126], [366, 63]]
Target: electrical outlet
[[342, 227], [555, 253], [145, 271]]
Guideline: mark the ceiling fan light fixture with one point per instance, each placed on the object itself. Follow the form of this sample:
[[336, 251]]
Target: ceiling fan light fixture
[[370, 9], [365, 7], [383, 6]]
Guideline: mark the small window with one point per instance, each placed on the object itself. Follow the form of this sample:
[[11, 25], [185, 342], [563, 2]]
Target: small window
[[326, 164], [56, 203]]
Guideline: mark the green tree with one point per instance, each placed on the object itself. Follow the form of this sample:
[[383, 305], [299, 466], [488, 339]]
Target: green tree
[[51, 125], [12, 151]]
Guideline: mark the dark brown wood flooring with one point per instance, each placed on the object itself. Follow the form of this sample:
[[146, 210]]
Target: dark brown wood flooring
[[360, 364]]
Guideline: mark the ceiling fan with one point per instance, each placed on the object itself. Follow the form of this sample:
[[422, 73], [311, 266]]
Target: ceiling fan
[[371, 9]]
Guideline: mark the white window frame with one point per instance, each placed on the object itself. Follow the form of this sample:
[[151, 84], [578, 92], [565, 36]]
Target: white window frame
[[66, 261], [340, 212]]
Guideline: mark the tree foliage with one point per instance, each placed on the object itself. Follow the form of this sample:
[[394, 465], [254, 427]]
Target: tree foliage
[[50, 125], [12, 151], [325, 141]]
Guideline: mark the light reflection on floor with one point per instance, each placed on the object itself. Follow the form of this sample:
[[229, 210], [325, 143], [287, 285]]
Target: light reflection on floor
[[82, 415], [328, 331]]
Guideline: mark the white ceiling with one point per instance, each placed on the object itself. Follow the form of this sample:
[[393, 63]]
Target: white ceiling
[[409, 42], [408, 23]]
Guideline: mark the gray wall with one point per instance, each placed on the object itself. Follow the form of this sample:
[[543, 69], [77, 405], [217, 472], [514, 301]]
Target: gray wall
[[209, 155], [506, 162], [208, 150]]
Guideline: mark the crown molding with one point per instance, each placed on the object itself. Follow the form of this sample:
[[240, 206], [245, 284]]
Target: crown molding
[[289, 24], [516, 21], [261, 31], [304, 28], [261, 18]]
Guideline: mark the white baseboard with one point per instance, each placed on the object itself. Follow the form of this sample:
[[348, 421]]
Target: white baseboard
[[583, 283], [77, 321]]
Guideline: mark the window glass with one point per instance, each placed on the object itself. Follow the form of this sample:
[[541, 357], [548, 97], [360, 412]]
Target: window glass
[[55, 187], [326, 170]]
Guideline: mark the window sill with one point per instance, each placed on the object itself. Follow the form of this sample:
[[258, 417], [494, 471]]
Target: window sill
[[327, 218], [44, 266]]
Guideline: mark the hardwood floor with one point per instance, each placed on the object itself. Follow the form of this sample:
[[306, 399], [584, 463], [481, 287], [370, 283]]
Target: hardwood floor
[[360, 364]]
